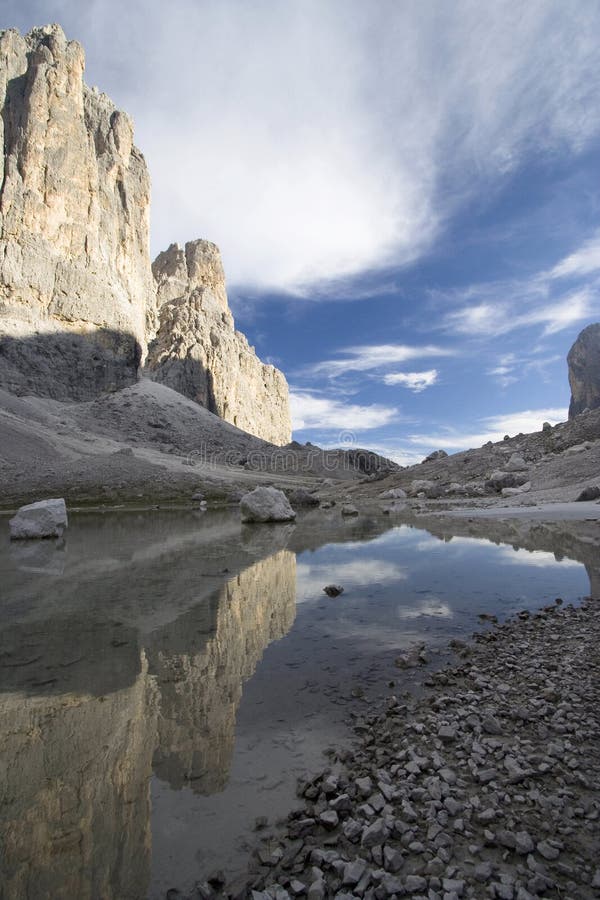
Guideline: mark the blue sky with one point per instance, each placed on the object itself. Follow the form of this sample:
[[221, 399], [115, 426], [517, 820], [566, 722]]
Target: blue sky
[[406, 195]]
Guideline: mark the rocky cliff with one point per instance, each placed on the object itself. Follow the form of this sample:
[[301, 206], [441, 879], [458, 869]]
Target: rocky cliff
[[75, 276], [584, 371], [198, 352], [77, 295]]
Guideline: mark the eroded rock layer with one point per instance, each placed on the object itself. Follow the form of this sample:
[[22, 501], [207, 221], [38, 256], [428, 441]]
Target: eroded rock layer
[[198, 352], [75, 277], [584, 371]]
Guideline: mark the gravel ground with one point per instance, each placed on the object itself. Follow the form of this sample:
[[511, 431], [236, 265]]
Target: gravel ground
[[487, 785]]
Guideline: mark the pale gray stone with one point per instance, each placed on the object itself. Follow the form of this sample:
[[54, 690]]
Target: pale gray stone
[[546, 850], [374, 834], [266, 504], [523, 843], [329, 818], [353, 872], [44, 519]]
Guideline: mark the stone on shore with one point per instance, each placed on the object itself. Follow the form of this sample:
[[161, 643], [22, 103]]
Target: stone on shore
[[266, 504], [487, 787], [44, 519]]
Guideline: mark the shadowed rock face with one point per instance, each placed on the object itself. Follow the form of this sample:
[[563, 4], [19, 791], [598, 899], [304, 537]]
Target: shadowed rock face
[[584, 371], [74, 203], [198, 352]]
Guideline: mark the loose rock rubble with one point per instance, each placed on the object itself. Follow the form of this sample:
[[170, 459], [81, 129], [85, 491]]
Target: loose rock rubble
[[488, 785]]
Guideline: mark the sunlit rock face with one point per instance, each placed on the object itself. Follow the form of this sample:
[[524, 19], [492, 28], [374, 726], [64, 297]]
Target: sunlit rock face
[[584, 371], [78, 300], [198, 352], [74, 786], [200, 687], [75, 276]]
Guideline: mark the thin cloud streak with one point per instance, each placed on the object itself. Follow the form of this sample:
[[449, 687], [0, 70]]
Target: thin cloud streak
[[501, 318], [375, 356], [583, 261]]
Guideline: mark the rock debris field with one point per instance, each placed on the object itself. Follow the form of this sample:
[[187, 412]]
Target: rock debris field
[[486, 786]]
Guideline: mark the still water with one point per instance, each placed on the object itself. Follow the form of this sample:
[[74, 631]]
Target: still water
[[165, 677]]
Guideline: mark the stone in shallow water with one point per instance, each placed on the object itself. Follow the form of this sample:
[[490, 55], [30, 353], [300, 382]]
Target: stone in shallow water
[[266, 504], [44, 519]]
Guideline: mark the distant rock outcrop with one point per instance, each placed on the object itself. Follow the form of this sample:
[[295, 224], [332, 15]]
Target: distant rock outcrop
[[75, 276], [584, 371], [198, 352]]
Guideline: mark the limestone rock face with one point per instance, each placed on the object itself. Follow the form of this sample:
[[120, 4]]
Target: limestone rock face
[[75, 276], [198, 352], [584, 371]]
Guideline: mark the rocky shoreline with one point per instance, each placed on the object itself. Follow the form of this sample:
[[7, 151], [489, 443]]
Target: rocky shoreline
[[488, 785]]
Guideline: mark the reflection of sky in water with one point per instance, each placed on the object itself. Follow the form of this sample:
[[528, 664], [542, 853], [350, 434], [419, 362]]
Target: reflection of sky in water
[[211, 674], [409, 581]]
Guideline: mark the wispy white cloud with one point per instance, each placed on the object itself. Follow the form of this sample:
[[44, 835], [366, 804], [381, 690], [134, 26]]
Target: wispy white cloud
[[375, 356], [499, 307], [494, 318], [583, 261], [511, 367], [493, 428], [314, 412], [414, 381], [313, 140]]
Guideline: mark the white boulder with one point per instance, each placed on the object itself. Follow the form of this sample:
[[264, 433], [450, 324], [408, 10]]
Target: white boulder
[[393, 494], [44, 519], [266, 504]]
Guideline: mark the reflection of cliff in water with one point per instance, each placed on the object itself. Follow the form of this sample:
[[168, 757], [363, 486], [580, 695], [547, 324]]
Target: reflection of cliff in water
[[85, 713], [74, 773], [200, 663]]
